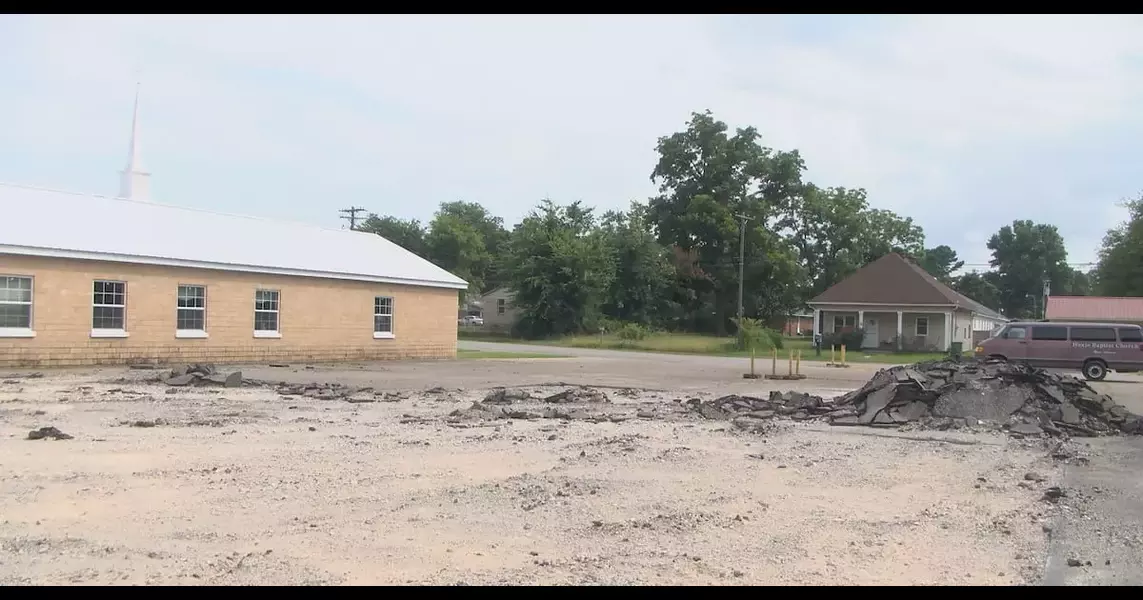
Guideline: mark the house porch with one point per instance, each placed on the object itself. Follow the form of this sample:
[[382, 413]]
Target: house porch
[[909, 330]]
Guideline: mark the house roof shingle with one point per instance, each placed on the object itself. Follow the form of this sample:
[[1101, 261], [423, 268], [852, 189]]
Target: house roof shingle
[[893, 279], [1094, 308], [102, 228]]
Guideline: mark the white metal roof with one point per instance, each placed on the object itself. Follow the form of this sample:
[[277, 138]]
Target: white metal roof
[[39, 222]]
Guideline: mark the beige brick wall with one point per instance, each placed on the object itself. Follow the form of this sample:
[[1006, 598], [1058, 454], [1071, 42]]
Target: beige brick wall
[[320, 319]]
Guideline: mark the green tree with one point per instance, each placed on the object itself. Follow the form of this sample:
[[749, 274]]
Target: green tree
[[984, 288], [559, 268], [1026, 255], [466, 240], [456, 246], [886, 231], [706, 178], [1120, 268], [640, 291], [941, 262], [836, 233], [409, 234]]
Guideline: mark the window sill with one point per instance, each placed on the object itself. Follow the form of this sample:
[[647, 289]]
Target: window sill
[[191, 334], [268, 334], [16, 332], [383, 335], [108, 333]]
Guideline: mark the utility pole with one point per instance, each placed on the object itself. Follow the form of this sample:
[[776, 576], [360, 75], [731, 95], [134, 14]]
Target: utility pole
[[742, 219], [350, 214], [1047, 292]]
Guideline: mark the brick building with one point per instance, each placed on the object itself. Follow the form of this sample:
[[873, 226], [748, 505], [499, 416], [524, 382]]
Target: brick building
[[122, 280]]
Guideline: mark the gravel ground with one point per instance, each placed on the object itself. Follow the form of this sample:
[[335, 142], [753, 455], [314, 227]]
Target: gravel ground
[[243, 486]]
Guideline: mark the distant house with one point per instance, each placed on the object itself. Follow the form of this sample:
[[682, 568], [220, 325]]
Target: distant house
[[499, 312], [900, 306], [1094, 308], [798, 323]]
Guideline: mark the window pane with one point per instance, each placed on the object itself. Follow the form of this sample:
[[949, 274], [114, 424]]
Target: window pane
[[1041, 332], [1093, 334], [265, 300], [192, 296], [15, 295], [15, 283], [383, 324], [107, 317], [382, 305], [265, 321], [1130, 335], [190, 318], [16, 315]]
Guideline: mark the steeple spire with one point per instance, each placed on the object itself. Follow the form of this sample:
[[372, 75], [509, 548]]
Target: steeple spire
[[135, 183]]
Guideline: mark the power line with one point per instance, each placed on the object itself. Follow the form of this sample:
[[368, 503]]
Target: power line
[[350, 214]]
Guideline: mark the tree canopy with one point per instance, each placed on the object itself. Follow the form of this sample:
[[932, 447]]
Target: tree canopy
[[672, 261]]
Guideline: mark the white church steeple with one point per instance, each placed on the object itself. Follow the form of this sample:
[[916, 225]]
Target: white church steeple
[[135, 183]]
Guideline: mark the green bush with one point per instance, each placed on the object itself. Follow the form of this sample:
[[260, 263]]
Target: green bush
[[753, 334], [852, 340], [632, 332]]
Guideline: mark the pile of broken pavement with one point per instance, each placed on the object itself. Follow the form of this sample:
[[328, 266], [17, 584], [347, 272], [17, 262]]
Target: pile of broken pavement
[[203, 375], [947, 395]]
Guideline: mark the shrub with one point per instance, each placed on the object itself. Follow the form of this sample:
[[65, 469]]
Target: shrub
[[852, 340], [754, 335], [632, 332]]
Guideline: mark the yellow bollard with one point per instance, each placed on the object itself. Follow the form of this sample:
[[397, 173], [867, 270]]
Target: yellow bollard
[[791, 364], [798, 364], [751, 361], [831, 356], [843, 354], [774, 362]]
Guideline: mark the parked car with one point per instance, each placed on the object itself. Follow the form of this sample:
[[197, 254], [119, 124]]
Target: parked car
[[471, 320], [1093, 348]]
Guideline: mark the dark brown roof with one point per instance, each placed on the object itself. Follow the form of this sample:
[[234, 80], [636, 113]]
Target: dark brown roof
[[893, 279]]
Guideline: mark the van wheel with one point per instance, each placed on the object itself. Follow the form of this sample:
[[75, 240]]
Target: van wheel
[[997, 357], [1094, 370]]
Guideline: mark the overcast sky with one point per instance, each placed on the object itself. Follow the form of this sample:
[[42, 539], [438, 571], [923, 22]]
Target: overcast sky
[[964, 123]]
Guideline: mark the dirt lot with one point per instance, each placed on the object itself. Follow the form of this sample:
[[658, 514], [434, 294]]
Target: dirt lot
[[243, 486]]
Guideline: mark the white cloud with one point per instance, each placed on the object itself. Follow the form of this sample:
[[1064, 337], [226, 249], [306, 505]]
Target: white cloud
[[946, 119]]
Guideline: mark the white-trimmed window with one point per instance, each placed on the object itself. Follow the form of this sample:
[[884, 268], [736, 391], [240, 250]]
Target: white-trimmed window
[[383, 317], [190, 317], [501, 306], [266, 314], [922, 328], [109, 309], [16, 306]]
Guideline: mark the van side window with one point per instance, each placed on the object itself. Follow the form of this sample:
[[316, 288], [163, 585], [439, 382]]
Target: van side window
[[1014, 333], [1130, 334], [1093, 334], [1048, 332]]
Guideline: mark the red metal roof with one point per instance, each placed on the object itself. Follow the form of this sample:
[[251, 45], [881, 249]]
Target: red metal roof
[[1094, 308]]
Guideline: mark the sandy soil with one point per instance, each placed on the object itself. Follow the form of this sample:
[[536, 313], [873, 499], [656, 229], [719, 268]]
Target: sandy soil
[[243, 486]]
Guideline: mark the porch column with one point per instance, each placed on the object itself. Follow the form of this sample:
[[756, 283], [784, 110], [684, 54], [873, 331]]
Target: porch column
[[900, 328], [817, 321], [948, 330], [860, 320]]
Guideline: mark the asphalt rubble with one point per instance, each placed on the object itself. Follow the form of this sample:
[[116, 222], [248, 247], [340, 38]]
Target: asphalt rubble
[[202, 375], [973, 394], [970, 394], [941, 395]]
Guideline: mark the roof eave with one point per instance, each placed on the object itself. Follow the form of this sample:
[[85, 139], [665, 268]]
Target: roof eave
[[458, 284]]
